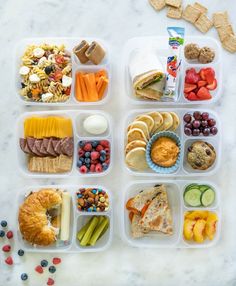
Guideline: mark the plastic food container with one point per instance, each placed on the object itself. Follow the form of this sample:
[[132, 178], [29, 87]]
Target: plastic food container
[[175, 190], [78, 219], [161, 44], [184, 168], [69, 43], [77, 117]]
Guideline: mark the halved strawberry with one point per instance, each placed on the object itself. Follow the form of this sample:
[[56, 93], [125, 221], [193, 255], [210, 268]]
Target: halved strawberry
[[192, 96], [203, 94], [189, 87], [209, 75], [213, 85], [192, 76], [202, 74], [201, 83]]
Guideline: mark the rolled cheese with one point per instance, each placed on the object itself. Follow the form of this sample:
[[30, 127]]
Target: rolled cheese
[[65, 217]]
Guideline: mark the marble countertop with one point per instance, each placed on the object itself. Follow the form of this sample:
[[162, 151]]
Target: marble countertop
[[120, 265]]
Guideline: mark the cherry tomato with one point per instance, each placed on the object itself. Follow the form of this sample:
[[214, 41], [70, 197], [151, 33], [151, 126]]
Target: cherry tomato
[[59, 59]]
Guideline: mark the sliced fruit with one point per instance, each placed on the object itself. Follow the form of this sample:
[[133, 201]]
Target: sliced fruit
[[192, 96], [202, 74], [195, 215], [213, 85], [189, 87], [209, 75], [201, 83], [198, 230], [192, 197], [210, 228], [192, 76], [208, 197], [204, 94], [188, 228]]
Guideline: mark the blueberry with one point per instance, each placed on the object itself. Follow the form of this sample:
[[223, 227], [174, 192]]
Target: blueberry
[[3, 223], [105, 166], [102, 158], [81, 143], [87, 154], [52, 269], [21, 252], [94, 144], [24, 276], [79, 163], [88, 165], [87, 160], [103, 152], [81, 159], [2, 233], [44, 263]]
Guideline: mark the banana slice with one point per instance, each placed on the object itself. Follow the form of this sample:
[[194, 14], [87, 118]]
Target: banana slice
[[176, 121], [146, 119], [136, 159], [167, 122], [136, 134], [141, 125], [158, 119], [134, 144]]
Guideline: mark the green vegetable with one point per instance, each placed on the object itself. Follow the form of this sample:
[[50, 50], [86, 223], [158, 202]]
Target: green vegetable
[[98, 231], [104, 230], [83, 230], [203, 188], [89, 232], [191, 186], [192, 197], [208, 197]]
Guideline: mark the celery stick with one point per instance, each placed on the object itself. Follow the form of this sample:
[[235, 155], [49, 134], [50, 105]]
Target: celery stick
[[104, 230], [86, 238], [97, 233], [83, 230]]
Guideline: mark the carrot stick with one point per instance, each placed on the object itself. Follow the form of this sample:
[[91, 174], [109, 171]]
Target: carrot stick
[[102, 89], [78, 91], [99, 74], [100, 82], [83, 87], [90, 84]]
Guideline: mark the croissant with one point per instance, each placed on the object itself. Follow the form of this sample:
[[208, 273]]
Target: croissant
[[34, 223]]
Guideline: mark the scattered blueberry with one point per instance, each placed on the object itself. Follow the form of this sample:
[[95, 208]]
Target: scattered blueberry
[[52, 269], [44, 263], [81, 159], [94, 144], [88, 165], [2, 233], [81, 143], [21, 252], [24, 276], [103, 152], [87, 154], [79, 163], [87, 160], [3, 223], [103, 158], [105, 166]]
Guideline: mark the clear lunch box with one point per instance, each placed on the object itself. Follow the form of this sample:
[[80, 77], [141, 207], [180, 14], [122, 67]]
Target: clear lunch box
[[175, 191], [77, 117], [161, 44], [184, 168], [78, 219], [69, 43]]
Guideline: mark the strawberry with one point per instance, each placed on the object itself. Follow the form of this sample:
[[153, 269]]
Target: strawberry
[[213, 85], [9, 260], [192, 76], [39, 269], [204, 93], [202, 74], [192, 96], [50, 281], [88, 147], [6, 248], [104, 143], [56, 260], [189, 87], [201, 83], [209, 75]]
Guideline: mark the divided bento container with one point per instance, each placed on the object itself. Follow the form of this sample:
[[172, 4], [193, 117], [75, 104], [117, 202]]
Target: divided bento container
[[160, 45], [78, 219], [184, 168], [69, 43], [175, 191], [77, 117]]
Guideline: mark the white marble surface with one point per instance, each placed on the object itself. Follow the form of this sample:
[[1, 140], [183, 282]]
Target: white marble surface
[[116, 22]]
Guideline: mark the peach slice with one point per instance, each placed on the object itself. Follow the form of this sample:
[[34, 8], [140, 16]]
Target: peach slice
[[195, 215], [198, 230], [188, 228], [210, 228]]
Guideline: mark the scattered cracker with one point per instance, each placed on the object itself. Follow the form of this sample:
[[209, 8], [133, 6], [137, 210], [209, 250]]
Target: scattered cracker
[[175, 13], [191, 14], [203, 23], [174, 3], [229, 43], [157, 4], [220, 19], [200, 7], [225, 31]]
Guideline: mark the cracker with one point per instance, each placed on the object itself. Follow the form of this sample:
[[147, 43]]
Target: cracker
[[191, 14], [157, 4], [203, 23], [175, 13], [229, 43], [225, 31], [200, 7], [220, 19], [174, 3]]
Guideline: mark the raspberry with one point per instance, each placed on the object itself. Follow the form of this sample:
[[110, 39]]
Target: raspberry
[[39, 269], [107, 161], [56, 260], [107, 149], [6, 248], [50, 281], [92, 168], [83, 169], [88, 147], [81, 153], [94, 155], [104, 143], [99, 148], [98, 168], [9, 260], [9, 234]]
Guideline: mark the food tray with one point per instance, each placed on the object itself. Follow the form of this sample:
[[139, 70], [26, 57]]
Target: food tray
[[161, 44], [77, 117], [70, 43], [175, 190], [78, 219], [184, 169]]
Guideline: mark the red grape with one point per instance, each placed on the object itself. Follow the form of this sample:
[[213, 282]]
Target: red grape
[[214, 130], [196, 124], [196, 132], [197, 115], [204, 123], [187, 131], [188, 125], [187, 117], [206, 131], [211, 122], [205, 115]]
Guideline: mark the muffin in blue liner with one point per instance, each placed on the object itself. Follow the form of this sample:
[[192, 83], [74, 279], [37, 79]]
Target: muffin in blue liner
[[155, 167]]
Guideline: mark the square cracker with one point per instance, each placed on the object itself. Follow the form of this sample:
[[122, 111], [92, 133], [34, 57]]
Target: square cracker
[[225, 31], [203, 23], [220, 19], [175, 13], [200, 7], [174, 3], [191, 14], [157, 4], [229, 43]]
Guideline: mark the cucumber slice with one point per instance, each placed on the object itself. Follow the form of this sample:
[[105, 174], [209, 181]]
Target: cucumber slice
[[192, 197], [208, 197], [191, 186], [203, 188]]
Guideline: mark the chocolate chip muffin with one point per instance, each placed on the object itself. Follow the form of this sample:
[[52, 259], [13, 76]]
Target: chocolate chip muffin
[[201, 155]]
